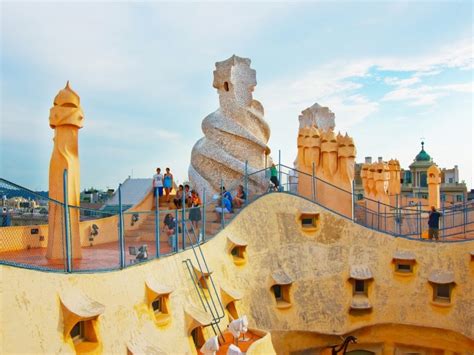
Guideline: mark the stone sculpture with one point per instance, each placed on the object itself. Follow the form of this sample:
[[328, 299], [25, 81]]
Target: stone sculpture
[[66, 118], [434, 183], [381, 183], [233, 134], [394, 185], [333, 158], [318, 116]]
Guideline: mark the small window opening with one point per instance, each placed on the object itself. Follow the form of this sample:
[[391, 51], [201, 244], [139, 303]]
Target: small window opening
[[233, 314], [277, 292], [226, 86], [198, 337], [309, 221], [157, 305], [403, 267], [77, 332], [282, 295], [238, 254], [442, 292], [204, 281], [360, 287]]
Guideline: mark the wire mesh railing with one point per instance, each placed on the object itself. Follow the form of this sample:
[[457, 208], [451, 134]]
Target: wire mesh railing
[[37, 232]]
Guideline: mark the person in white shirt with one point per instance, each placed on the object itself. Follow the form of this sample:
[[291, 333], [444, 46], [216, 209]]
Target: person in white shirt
[[158, 183]]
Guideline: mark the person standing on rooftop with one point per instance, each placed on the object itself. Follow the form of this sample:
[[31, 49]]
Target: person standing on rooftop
[[168, 184], [433, 224], [158, 184]]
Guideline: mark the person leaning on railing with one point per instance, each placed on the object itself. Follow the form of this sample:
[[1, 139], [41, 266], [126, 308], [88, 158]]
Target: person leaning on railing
[[274, 177], [6, 218], [433, 224]]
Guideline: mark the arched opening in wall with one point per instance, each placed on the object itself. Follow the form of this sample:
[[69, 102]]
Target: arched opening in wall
[[83, 336], [309, 221], [360, 278], [226, 86], [237, 249], [442, 284], [158, 301], [198, 337], [204, 281], [360, 287], [232, 311], [280, 288], [238, 254], [80, 317], [442, 292], [203, 277], [282, 295], [161, 310], [77, 332], [404, 262]]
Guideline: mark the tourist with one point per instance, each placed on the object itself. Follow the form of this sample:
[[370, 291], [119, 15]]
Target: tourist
[[158, 184], [178, 199], [226, 194], [433, 224], [223, 206], [195, 211], [274, 177], [169, 224], [240, 197], [187, 195], [6, 218], [168, 184]]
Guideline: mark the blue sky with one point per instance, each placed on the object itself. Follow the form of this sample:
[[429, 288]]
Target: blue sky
[[392, 72]]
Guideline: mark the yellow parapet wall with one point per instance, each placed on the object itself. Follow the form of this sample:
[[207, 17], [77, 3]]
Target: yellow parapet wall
[[337, 280], [20, 237]]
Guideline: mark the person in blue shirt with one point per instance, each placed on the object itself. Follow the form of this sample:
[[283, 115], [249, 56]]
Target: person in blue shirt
[[433, 224], [6, 218], [223, 206], [226, 194]]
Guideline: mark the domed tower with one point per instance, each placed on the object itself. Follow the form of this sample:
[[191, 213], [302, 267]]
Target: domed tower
[[419, 172], [66, 118], [233, 134]]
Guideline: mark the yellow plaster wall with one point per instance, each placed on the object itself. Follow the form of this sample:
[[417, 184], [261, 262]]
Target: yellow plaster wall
[[20, 237], [321, 294]]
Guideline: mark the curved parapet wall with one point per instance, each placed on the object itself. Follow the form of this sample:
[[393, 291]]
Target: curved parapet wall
[[312, 269], [233, 134]]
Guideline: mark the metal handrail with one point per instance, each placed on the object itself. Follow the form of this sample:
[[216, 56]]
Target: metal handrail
[[207, 271], [214, 323]]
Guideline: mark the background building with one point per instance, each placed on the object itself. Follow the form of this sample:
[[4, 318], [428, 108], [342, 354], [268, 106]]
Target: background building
[[414, 180]]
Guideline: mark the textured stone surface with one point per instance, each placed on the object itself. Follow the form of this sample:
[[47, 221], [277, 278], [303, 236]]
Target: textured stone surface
[[233, 134], [333, 158], [316, 115], [321, 293]]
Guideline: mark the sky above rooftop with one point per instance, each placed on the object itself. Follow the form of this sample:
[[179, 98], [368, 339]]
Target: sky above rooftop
[[394, 73]]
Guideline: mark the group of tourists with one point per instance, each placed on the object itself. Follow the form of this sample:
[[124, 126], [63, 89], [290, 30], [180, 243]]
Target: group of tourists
[[186, 197], [162, 182], [225, 202]]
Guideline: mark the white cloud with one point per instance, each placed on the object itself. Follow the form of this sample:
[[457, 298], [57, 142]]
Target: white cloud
[[402, 82], [426, 94], [456, 55]]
